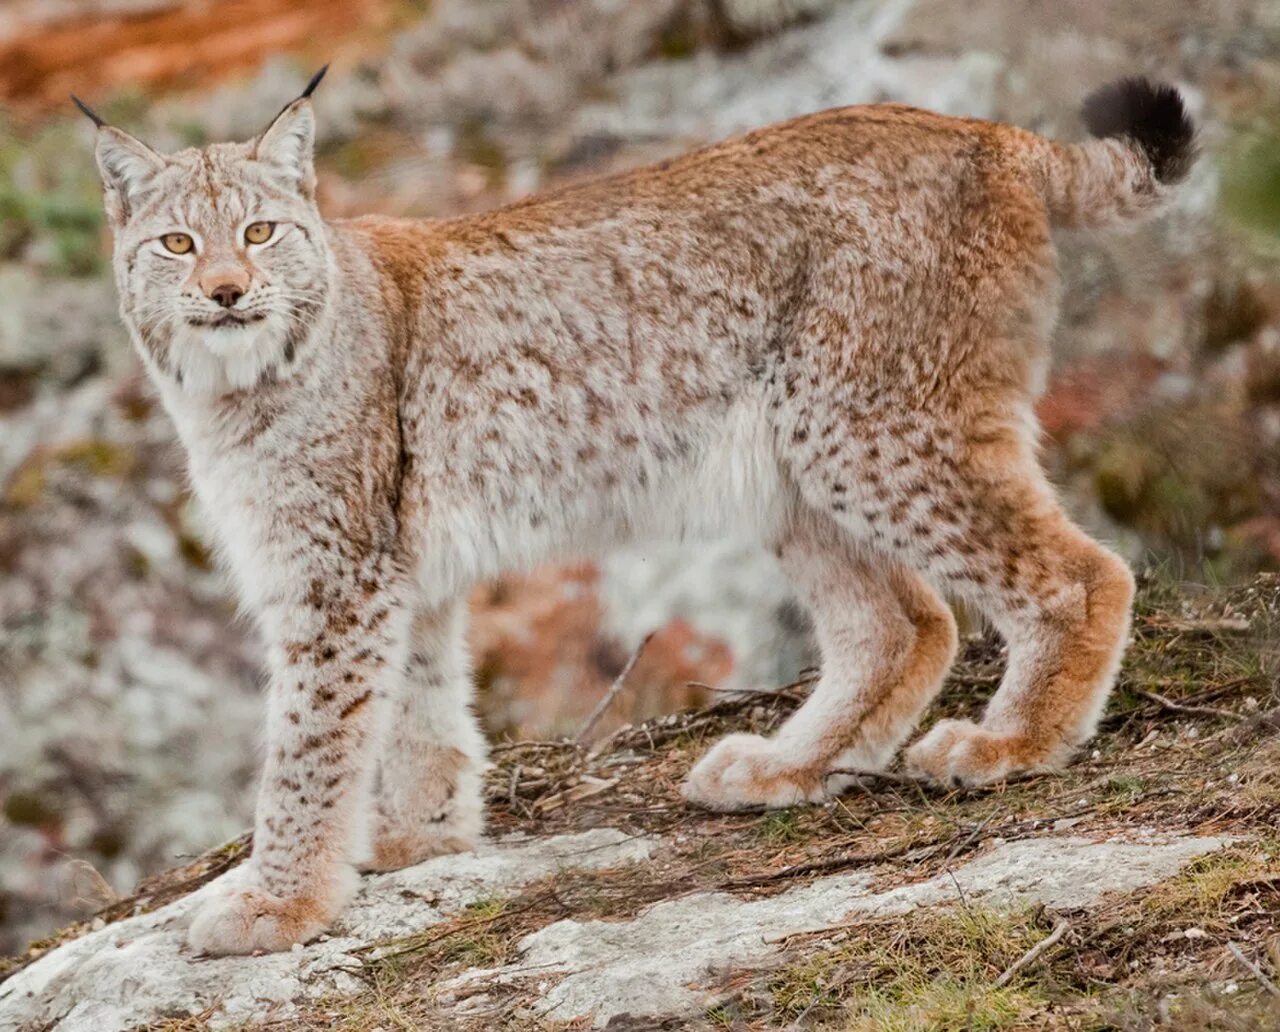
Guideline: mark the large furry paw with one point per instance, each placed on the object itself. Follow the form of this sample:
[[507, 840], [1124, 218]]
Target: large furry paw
[[744, 771], [248, 920], [960, 752]]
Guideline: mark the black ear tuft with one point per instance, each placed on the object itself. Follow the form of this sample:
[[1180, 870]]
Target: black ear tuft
[[315, 81], [1153, 116], [88, 111]]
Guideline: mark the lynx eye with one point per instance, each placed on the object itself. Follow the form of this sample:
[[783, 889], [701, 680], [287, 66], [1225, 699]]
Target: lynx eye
[[178, 243], [259, 232]]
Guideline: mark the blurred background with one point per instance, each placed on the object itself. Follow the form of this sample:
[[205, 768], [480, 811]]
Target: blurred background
[[129, 707]]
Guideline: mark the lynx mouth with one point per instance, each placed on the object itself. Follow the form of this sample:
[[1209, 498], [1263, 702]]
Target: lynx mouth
[[228, 321]]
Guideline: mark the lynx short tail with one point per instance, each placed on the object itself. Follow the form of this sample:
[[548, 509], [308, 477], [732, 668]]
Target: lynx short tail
[[1145, 144]]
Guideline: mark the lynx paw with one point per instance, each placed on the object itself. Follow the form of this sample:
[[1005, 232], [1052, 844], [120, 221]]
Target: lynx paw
[[959, 752], [251, 921], [744, 771]]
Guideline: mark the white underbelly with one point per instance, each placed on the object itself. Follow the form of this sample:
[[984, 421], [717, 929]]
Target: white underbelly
[[730, 483]]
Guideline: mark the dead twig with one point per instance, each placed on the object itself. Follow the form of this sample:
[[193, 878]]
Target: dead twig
[[1250, 728], [1182, 707], [964, 900], [1254, 970], [1207, 625], [969, 840], [1033, 954], [786, 691], [619, 683], [824, 866], [504, 747], [963, 680]]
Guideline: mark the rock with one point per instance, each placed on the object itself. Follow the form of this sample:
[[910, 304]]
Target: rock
[[666, 962], [138, 970]]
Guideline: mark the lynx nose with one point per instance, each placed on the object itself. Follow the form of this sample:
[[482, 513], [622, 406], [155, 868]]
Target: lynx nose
[[226, 294], [225, 285]]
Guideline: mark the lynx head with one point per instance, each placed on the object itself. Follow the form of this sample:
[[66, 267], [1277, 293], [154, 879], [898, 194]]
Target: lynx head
[[220, 253]]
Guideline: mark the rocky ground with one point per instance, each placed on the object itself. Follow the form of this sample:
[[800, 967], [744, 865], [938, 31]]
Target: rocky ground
[[129, 691], [1140, 888]]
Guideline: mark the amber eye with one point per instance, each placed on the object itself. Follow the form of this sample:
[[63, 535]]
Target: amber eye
[[178, 243], [259, 232]]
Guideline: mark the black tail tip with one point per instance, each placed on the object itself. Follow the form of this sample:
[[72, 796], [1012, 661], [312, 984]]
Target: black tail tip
[[1153, 116]]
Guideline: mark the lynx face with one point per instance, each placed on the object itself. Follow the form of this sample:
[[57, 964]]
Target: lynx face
[[221, 254]]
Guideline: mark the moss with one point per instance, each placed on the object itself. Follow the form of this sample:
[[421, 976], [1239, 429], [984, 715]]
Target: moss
[[27, 808], [942, 1005], [1201, 892], [109, 842], [720, 1017], [27, 486], [782, 826], [1232, 312], [93, 456], [1221, 663], [1183, 474], [191, 133], [97, 457], [933, 969], [477, 147], [356, 158], [50, 195], [679, 40], [1251, 176], [1125, 787]]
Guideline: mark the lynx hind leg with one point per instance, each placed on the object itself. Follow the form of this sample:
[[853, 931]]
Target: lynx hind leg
[[886, 641], [1062, 603], [965, 502], [428, 799]]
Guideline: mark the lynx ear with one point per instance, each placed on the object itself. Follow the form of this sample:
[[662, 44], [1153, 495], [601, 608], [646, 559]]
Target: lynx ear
[[127, 166], [289, 142]]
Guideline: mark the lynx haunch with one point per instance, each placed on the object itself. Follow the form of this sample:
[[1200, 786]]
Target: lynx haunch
[[830, 332]]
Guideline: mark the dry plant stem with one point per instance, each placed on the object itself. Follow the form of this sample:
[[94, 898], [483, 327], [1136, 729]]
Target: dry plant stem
[[1256, 971], [503, 747], [1199, 711], [1033, 954], [1211, 625], [615, 689], [834, 863]]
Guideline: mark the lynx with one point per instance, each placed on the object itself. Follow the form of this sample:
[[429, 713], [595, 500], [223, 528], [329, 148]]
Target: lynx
[[829, 332]]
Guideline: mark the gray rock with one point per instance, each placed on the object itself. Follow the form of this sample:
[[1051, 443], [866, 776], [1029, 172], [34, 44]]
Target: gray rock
[[140, 969], [668, 960]]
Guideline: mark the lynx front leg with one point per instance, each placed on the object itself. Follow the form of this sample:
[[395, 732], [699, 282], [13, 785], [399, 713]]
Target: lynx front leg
[[335, 656], [428, 799]]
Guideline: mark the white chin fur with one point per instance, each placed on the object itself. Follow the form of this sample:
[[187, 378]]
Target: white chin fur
[[214, 361]]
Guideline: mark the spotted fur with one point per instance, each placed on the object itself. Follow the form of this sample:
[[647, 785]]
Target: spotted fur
[[830, 332]]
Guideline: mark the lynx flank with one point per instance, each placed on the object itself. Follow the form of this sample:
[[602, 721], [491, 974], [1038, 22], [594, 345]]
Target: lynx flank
[[830, 332]]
